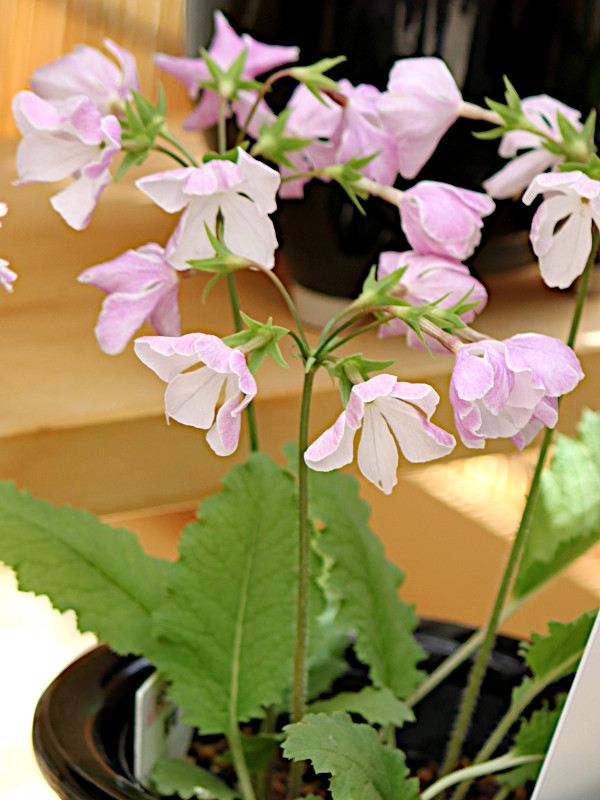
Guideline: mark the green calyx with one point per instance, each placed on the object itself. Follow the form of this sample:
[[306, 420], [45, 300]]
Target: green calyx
[[257, 341]]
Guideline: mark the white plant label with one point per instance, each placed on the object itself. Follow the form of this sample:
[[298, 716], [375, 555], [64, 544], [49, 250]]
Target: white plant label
[[157, 729], [572, 767]]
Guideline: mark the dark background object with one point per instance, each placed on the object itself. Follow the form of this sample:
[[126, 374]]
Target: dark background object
[[543, 46]]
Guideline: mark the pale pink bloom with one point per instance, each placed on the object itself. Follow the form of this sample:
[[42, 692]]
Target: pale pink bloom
[[224, 48], [362, 133], [71, 139], [574, 200], [509, 389], [244, 193], [422, 101], [392, 414], [541, 110], [441, 219], [89, 73], [192, 397], [141, 285], [428, 278]]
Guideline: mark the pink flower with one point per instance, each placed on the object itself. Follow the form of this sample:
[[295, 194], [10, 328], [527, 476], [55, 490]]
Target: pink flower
[[244, 193], [192, 397], [225, 47], [89, 73], [141, 286], [69, 139], [392, 414], [441, 219], [421, 103], [574, 199], [509, 389], [518, 173], [426, 279]]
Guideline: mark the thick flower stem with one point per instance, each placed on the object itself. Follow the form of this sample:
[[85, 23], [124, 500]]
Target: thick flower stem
[[479, 667], [299, 685]]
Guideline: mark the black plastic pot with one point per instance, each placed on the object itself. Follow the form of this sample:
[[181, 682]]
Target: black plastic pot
[[83, 726]]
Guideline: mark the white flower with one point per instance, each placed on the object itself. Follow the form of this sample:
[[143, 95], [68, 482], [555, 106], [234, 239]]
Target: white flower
[[574, 201], [392, 414]]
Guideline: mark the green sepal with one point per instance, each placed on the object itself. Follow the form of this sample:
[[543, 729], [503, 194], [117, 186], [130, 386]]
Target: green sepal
[[344, 369], [152, 116], [375, 705], [265, 336], [313, 76], [225, 82], [227, 155], [224, 261], [361, 767], [492, 133], [347, 175], [273, 144], [378, 292], [172, 776], [130, 159]]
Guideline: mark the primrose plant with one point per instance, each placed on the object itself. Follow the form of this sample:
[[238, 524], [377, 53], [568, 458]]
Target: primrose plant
[[280, 573]]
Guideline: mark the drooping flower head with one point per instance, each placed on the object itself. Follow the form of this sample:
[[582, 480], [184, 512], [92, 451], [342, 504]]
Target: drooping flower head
[[441, 219], [574, 200], [393, 414], [87, 72], [422, 101], [426, 279], [192, 397], [243, 192], [509, 389], [141, 285], [71, 139], [515, 176], [225, 47]]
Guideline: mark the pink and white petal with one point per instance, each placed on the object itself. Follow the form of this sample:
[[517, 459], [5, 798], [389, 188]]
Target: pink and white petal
[[224, 436], [419, 440], [567, 257], [130, 271], [3, 209], [7, 275], [472, 376], [205, 113], [421, 395], [378, 386], [555, 366], [189, 240], [76, 203], [167, 356], [334, 448], [546, 218], [129, 72], [188, 71], [265, 57], [191, 397], [467, 426], [121, 316], [166, 189], [244, 381], [258, 181], [165, 317], [527, 434], [247, 232], [377, 451], [48, 157], [516, 176], [215, 177]]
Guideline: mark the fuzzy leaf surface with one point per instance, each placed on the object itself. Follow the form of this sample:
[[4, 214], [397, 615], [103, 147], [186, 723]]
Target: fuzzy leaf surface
[[83, 564], [534, 736], [226, 629], [377, 706], [361, 767], [566, 517], [366, 584], [172, 776]]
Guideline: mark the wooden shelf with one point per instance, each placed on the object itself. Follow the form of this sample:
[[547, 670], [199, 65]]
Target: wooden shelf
[[82, 427]]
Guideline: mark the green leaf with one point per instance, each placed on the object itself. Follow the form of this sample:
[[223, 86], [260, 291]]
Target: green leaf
[[565, 642], [366, 584], [566, 518], [226, 629], [83, 564], [534, 736], [172, 776], [377, 706], [361, 767]]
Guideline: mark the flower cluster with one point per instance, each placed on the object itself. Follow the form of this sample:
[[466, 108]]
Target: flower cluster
[[82, 111]]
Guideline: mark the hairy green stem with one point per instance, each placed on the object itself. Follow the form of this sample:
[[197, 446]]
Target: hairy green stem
[[299, 685], [263, 91], [507, 761], [292, 308], [479, 667], [172, 155], [166, 134]]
